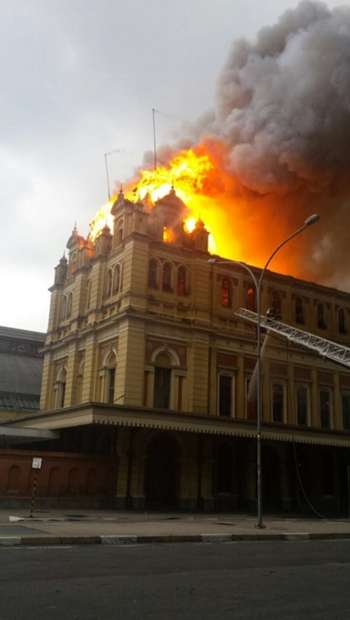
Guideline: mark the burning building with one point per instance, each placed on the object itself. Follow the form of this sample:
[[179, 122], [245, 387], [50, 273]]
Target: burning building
[[146, 368]]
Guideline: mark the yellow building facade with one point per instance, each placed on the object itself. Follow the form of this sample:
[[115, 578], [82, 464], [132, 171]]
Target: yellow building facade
[[146, 362]]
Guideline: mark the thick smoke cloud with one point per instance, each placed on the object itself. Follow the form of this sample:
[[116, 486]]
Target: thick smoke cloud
[[283, 102]]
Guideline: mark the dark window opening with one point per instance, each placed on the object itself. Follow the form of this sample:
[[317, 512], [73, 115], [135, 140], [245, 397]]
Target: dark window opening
[[167, 270], [251, 299], [110, 385], [153, 274], [62, 393], [346, 411], [109, 283], [325, 408], [116, 279], [226, 293], [299, 311], [276, 305], [302, 405], [181, 281], [162, 382], [321, 320], [277, 402], [225, 396], [341, 321]]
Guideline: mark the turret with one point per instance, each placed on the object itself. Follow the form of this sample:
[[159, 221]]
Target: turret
[[200, 237], [103, 242], [61, 271]]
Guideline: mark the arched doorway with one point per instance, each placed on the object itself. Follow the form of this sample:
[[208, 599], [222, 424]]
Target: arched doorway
[[162, 472]]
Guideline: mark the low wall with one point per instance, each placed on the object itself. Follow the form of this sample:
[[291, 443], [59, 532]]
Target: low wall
[[67, 479]]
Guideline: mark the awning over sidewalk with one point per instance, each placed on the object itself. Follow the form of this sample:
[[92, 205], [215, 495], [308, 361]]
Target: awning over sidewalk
[[139, 417], [15, 435]]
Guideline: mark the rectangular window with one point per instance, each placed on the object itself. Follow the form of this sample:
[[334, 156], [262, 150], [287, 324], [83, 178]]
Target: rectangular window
[[162, 383], [346, 410], [325, 408], [302, 405], [278, 402], [225, 395]]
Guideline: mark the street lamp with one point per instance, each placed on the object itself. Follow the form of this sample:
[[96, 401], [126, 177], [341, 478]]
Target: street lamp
[[312, 219]]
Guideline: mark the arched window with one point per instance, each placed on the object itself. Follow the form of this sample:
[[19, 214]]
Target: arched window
[[110, 377], [278, 402], [251, 299], [226, 293], [276, 304], [167, 277], [60, 387], [116, 279], [341, 321], [299, 311], [109, 283], [181, 280], [69, 305], [153, 273], [79, 383], [162, 381], [321, 319]]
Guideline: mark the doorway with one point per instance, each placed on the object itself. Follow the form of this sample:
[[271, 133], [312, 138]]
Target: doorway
[[162, 472]]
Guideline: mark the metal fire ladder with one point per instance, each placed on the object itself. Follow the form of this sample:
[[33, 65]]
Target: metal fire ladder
[[326, 348]]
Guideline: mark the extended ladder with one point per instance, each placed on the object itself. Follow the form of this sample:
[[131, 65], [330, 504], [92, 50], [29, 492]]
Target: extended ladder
[[326, 348]]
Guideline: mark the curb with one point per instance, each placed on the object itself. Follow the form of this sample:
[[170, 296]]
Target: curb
[[122, 539]]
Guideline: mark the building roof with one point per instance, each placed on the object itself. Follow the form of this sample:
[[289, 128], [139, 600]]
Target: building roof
[[20, 374], [19, 402], [21, 334]]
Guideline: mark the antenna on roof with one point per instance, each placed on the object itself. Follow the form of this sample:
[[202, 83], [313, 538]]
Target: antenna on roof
[[106, 155], [154, 138]]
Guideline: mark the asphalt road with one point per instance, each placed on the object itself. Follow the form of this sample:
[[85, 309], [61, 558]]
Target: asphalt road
[[272, 580]]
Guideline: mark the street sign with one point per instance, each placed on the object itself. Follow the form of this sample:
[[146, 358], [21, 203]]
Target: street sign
[[37, 462]]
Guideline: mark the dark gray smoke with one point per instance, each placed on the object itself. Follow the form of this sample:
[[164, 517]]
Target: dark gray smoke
[[283, 114], [283, 103]]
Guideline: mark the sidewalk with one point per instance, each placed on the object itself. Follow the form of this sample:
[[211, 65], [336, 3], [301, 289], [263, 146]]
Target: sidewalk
[[112, 527]]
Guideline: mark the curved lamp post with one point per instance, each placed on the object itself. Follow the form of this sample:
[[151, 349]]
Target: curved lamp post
[[312, 219]]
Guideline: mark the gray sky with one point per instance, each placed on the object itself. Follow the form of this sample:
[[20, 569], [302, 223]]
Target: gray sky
[[79, 78]]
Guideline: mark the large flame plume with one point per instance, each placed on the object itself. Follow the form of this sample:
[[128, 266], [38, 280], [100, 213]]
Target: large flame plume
[[274, 149]]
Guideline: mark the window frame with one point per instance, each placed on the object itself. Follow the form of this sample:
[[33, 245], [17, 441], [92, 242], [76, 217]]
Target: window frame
[[167, 287], [223, 289], [299, 316], [326, 388], [281, 383], [232, 376], [308, 404]]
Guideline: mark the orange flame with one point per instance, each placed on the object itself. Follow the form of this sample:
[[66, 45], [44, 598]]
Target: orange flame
[[242, 225], [189, 172]]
